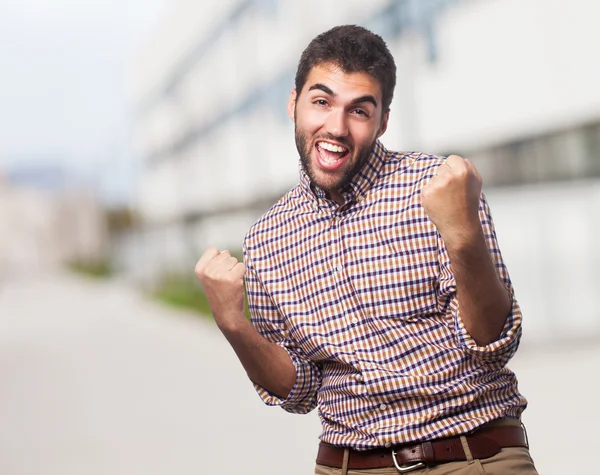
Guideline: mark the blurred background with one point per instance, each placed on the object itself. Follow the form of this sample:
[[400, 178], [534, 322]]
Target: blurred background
[[134, 134]]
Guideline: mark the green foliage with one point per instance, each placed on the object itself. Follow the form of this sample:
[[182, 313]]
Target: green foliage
[[181, 291], [99, 268], [184, 291]]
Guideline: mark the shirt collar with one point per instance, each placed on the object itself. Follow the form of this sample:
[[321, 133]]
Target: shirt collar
[[360, 184]]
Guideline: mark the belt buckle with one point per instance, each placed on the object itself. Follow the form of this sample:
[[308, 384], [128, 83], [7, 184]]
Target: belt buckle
[[406, 469]]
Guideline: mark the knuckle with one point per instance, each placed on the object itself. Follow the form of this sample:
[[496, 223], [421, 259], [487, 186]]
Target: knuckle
[[199, 270], [211, 274], [461, 172]]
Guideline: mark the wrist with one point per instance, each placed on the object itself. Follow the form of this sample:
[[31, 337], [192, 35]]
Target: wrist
[[463, 238], [233, 324]]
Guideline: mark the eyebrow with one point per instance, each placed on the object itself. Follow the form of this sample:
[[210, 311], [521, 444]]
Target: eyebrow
[[358, 100]]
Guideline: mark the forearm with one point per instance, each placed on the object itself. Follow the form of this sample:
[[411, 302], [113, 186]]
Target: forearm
[[266, 363], [483, 299]]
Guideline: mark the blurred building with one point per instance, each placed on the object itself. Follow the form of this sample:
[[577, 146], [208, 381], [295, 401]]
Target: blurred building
[[44, 224], [513, 84]]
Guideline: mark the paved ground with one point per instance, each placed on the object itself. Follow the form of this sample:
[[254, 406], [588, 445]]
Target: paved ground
[[97, 380]]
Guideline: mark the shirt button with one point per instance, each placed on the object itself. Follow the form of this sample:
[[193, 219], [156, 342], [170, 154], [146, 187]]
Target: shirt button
[[388, 445], [383, 407], [355, 320], [368, 365], [339, 268]]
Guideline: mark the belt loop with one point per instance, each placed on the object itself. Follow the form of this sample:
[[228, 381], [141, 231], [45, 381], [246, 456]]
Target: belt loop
[[466, 449], [428, 453], [345, 461], [525, 432]]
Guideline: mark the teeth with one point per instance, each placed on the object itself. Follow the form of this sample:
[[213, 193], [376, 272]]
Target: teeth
[[331, 147]]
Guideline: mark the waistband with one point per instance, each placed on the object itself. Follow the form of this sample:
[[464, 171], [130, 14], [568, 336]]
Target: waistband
[[486, 441]]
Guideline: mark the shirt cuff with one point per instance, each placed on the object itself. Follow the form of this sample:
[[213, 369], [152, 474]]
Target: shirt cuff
[[499, 352], [303, 396]]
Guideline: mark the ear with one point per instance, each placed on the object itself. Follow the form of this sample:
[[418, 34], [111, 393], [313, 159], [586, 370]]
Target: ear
[[384, 124], [291, 105]]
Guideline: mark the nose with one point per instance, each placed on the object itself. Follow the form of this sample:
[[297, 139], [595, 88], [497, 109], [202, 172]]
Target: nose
[[336, 123]]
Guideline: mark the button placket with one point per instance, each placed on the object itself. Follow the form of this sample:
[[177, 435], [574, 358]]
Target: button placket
[[336, 266]]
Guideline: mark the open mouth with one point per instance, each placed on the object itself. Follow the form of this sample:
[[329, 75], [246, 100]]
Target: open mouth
[[331, 156]]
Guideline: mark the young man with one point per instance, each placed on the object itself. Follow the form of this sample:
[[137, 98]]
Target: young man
[[376, 287]]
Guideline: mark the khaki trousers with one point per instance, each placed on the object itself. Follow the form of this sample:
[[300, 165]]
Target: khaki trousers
[[509, 461]]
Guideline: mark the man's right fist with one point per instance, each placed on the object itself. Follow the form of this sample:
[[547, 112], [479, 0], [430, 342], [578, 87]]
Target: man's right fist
[[222, 278]]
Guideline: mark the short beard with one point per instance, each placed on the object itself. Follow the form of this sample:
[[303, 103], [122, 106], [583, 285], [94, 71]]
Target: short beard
[[304, 149]]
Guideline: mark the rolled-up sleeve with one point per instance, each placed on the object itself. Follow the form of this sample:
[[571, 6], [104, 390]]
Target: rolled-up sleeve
[[269, 322], [499, 352]]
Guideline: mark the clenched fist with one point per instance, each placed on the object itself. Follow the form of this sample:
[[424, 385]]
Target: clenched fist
[[451, 200], [222, 278]]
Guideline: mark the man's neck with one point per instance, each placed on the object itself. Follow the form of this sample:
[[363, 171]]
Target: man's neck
[[336, 197]]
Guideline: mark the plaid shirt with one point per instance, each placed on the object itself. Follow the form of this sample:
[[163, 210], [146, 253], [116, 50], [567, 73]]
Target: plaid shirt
[[363, 299]]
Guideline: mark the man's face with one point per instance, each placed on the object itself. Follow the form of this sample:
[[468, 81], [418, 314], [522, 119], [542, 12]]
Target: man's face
[[338, 117]]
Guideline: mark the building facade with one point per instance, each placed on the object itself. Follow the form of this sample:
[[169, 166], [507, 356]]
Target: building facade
[[43, 229], [512, 84]]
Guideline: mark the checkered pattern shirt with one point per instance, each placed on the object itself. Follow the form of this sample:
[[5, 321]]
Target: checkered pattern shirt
[[363, 299]]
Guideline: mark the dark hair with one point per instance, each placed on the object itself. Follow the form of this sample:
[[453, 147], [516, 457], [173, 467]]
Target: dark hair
[[353, 49]]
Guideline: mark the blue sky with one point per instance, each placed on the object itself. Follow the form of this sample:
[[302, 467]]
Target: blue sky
[[64, 85]]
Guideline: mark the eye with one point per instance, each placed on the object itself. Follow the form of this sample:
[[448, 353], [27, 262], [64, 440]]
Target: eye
[[360, 112], [320, 102]]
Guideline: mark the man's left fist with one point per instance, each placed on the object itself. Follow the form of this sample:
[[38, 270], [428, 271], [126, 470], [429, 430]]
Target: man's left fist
[[451, 198]]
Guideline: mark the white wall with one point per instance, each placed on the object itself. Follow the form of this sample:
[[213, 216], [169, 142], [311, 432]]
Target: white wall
[[509, 68], [548, 237]]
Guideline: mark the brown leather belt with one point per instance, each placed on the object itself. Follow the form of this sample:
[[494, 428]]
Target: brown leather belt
[[483, 443]]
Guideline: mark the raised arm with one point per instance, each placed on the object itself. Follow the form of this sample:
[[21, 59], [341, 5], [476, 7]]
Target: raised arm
[[266, 363], [451, 200]]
